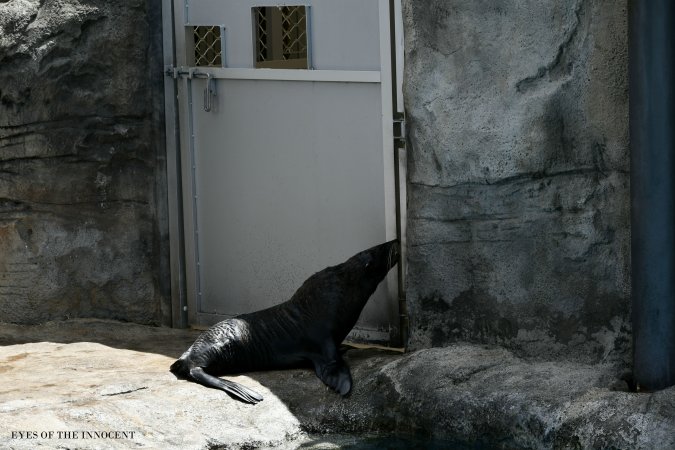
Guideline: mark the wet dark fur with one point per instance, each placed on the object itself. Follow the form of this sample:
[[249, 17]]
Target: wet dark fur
[[308, 328]]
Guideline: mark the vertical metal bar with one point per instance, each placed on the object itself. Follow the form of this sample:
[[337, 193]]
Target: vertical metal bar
[[157, 79], [402, 302], [308, 35], [392, 39], [652, 115], [400, 213], [195, 196], [274, 33], [184, 149], [175, 210], [254, 27], [389, 155], [223, 48]]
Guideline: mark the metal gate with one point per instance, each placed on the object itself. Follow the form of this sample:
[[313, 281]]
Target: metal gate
[[285, 160]]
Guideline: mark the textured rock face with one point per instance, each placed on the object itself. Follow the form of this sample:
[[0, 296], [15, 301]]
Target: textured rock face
[[97, 375], [80, 161], [518, 175]]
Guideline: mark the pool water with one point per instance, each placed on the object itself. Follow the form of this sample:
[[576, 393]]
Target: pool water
[[385, 442]]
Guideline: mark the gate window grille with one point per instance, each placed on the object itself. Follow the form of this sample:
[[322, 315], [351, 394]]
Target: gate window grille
[[281, 37], [207, 46]]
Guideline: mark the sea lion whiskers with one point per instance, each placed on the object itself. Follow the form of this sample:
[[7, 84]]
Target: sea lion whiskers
[[394, 253]]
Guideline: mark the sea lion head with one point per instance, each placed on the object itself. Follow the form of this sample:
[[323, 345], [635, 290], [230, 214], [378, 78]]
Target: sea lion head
[[378, 260]]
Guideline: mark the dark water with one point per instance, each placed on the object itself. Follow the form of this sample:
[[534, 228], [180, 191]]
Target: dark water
[[380, 442]]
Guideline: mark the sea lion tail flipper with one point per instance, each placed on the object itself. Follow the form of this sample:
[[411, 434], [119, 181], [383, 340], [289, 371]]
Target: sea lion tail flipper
[[335, 374], [235, 390]]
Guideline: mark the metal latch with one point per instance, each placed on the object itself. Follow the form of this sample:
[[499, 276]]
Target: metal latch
[[209, 92], [176, 72], [190, 73]]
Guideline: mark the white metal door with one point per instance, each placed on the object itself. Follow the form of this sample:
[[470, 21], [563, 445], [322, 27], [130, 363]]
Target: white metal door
[[285, 170]]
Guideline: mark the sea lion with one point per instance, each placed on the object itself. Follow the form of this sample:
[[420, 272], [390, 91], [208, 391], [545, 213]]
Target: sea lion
[[308, 328]]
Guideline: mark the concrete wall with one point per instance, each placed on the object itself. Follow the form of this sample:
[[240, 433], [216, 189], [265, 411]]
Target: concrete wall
[[82, 220], [518, 169], [519, 175]]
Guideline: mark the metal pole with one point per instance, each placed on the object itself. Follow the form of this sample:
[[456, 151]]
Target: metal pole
[[652, 119], [399, 145], [173, 173]]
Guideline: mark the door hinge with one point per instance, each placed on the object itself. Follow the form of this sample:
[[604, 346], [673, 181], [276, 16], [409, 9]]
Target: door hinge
[[172, 71], [399, 130], [182, 71]]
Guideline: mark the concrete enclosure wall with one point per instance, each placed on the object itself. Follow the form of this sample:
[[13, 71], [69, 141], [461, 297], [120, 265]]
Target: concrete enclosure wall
[[519, 175], [82, 210], [518, 171]]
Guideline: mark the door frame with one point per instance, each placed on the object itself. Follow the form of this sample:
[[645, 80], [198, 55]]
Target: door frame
[[181, 206]]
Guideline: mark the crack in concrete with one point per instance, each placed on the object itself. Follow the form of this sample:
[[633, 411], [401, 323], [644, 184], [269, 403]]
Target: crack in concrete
[[465, 219], [124, 392], [78, 121], [553, 69], [525, 176], [468, 376], [36, 158]]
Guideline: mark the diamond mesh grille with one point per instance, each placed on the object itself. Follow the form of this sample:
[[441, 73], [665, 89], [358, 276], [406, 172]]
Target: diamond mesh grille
[[208, 51], [293, 32], [281, 35], [261, 33]]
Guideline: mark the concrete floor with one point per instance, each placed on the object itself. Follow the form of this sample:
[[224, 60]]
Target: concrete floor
[[104, 384]]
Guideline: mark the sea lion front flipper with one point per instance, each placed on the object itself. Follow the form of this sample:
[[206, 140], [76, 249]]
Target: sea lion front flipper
[[235, 390], [335, 374]]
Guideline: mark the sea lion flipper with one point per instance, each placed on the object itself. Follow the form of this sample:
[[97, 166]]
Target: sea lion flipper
[[335, 374], [235, 390], [307, 327]]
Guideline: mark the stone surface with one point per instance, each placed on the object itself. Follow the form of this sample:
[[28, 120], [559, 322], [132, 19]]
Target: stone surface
[[85, 386], [93, 375], [518, 205], [518, 183], [82, 184]]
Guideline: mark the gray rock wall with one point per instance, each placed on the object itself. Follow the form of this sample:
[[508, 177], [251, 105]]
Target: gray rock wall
[[518, 169], [81, 168], [518, 187]]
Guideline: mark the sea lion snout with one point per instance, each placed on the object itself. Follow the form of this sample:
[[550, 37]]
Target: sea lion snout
[[386, 255], [394, 253], [380, 259]]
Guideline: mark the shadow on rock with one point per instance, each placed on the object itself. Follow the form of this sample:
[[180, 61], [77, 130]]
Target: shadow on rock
[[122, 335]]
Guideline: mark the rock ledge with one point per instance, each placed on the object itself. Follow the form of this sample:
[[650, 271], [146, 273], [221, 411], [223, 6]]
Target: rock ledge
[[104, 376]]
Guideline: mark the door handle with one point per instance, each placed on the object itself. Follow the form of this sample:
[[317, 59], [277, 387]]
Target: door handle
[[209, 92]]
